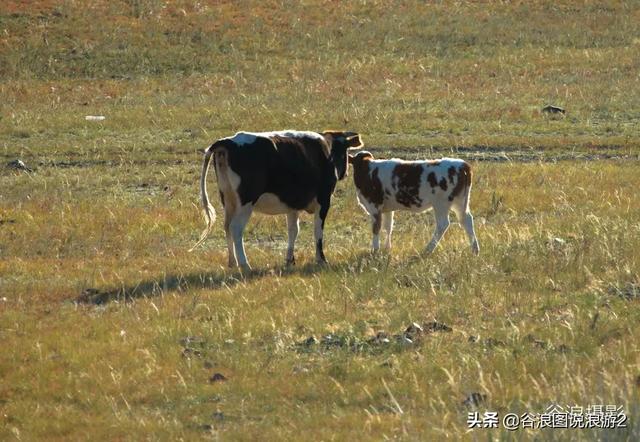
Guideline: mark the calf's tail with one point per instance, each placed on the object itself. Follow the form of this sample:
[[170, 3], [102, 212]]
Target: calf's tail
[[209, 211]]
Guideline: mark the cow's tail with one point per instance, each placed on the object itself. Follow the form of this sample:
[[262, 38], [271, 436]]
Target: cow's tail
[[209, 211]]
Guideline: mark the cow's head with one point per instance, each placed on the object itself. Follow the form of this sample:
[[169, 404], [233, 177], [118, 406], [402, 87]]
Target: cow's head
[[340, 142]]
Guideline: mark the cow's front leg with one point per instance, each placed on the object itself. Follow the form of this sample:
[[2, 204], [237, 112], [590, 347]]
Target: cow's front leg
[[293, 228], [318, 228]]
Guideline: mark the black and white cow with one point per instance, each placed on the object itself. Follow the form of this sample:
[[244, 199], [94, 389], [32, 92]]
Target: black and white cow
[[384, 186], [275, 173]]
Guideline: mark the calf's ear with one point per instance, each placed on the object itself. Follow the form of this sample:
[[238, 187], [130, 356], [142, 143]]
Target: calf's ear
[[353, 140]]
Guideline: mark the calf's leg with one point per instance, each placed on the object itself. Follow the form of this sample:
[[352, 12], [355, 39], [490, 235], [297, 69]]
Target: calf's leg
[[387, 223], [376, 222], [468, 227], [466, 219], [442, 224]]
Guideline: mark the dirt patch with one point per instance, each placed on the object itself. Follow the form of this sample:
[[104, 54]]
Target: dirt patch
[[629, 291], [82, 164], [412, 334]]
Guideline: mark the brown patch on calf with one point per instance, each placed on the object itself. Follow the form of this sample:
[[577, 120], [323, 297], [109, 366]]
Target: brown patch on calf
[[452, 173], [464, 181], [367, 183], [408, 178], [433, 181]]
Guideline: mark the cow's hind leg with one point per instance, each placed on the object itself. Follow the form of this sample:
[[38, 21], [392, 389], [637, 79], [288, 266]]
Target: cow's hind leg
[[293, 228], [442, 224], [387, 223], [233, 261], [237, 225]]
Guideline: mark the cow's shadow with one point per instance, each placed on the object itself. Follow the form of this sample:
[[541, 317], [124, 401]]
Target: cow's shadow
[[216, 280]]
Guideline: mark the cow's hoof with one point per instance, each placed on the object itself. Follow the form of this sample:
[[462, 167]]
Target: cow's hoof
[[290, 262]]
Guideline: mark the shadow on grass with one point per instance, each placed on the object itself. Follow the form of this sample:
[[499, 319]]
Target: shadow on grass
[[206, 280]]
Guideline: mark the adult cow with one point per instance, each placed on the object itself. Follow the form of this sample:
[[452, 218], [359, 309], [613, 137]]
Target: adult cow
[[275, 173]]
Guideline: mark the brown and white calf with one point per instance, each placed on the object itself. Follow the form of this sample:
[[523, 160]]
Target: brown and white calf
[[384, 186], [275, 173]]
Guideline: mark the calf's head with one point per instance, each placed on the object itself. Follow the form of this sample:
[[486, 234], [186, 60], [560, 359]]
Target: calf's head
[[340, 142], [360, 162], [361, 156], [366, 178]]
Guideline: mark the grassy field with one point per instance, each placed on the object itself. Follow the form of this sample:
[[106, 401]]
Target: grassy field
[[111, 330]]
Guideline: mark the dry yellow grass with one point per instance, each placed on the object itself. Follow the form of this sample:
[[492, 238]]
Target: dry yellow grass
[[555, 247]]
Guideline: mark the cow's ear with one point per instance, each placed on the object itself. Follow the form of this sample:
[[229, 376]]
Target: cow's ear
[[354, 141]]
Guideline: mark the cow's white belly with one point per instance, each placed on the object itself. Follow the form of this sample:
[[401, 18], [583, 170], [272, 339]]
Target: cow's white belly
[[270, 204]]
